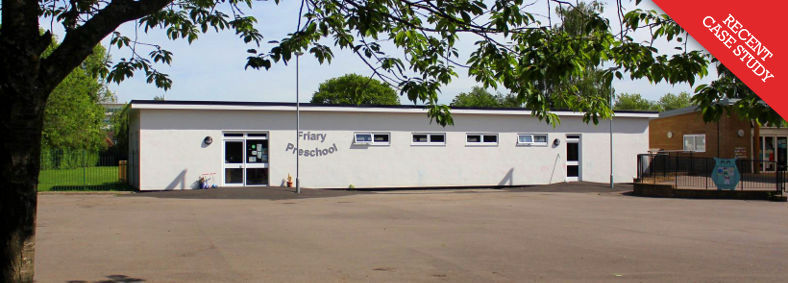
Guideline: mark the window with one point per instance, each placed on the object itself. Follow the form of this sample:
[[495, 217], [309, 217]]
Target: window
[[481, 139], [234, 152], [380, 138], [696, 143], [532, 139], [256, 150], [439, 138], [429, 139], [372, 138], [363, 138]]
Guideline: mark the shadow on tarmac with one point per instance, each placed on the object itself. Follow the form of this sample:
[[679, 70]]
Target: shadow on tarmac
[[269, 193], [280, 193], [116, 278], [575, 187]]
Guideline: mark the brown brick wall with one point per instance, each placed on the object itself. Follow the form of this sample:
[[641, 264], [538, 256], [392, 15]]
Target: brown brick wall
[[692, 123]]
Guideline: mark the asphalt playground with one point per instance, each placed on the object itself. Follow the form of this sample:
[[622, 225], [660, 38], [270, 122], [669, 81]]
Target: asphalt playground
[[564, 232]]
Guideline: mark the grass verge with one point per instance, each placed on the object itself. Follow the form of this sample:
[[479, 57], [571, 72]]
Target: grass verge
[[97, 178]]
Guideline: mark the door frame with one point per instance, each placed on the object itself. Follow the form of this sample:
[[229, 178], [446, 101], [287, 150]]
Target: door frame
[[244, 136], [762, 151], [257, 165], [570, 138]]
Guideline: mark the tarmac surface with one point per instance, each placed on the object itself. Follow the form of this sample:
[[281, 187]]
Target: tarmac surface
[[564, 232]]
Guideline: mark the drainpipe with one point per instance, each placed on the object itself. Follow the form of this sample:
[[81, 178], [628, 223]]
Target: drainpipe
[[718, 138], [752, 147]]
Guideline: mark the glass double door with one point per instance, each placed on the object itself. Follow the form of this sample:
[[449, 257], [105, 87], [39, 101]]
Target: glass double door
[[245, 159]]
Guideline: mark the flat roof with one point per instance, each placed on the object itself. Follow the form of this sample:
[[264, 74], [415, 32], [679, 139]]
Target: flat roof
[[680, 111], [309, 107]]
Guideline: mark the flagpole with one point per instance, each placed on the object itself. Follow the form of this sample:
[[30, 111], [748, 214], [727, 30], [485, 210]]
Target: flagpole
[[298, 107], [612, 114], [298, 130]]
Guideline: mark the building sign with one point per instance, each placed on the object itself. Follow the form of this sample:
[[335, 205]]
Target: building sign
[[310, 136], [312, 151], [726, 174], [740, 152]]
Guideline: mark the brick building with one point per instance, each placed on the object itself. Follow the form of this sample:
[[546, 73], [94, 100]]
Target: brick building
[[730, 137]]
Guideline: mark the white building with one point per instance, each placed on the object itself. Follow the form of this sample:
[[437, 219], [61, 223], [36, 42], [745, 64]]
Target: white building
[[174, 143]]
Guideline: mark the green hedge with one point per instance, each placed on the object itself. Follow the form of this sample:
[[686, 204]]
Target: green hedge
[[68, 159]]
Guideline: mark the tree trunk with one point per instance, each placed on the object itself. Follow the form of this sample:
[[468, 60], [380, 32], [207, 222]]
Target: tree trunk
[[23, 95], [19, 165], [21, 118], [25, 83]]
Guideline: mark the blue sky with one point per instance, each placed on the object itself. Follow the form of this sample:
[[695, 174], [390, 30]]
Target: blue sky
[[212, 67]]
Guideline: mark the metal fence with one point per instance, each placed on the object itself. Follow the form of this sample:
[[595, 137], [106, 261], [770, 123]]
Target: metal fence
[[685, 171], [75, 170]]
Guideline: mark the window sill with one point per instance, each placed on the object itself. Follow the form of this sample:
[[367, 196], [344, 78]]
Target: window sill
[[370, 144], [428, 144], [481, 144], [532, 144]]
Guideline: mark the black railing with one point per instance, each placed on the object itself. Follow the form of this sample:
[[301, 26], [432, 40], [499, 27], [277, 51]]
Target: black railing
[[685, 171], [69, 170]]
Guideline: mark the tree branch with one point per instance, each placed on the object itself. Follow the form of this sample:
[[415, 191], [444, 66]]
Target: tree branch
[[19, 21], [78, 43]]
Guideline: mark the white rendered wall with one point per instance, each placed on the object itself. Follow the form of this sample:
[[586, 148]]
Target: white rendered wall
[[134, 165], [173, 156]]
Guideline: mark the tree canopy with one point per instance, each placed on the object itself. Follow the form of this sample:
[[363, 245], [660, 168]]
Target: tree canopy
[[729, 94], [119, 125], [73, 117], [634, 101], [514, 49], [671, 101], [353, 89], [481, 98], [591, 88]]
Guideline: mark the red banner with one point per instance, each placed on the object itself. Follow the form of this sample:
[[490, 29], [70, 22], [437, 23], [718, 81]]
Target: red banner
[[747, 36]]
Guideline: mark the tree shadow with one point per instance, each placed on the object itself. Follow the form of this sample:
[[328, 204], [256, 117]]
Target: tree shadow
[[115, 278]]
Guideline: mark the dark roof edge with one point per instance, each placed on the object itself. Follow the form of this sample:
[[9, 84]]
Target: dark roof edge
[[680, 111], [250, 103]]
